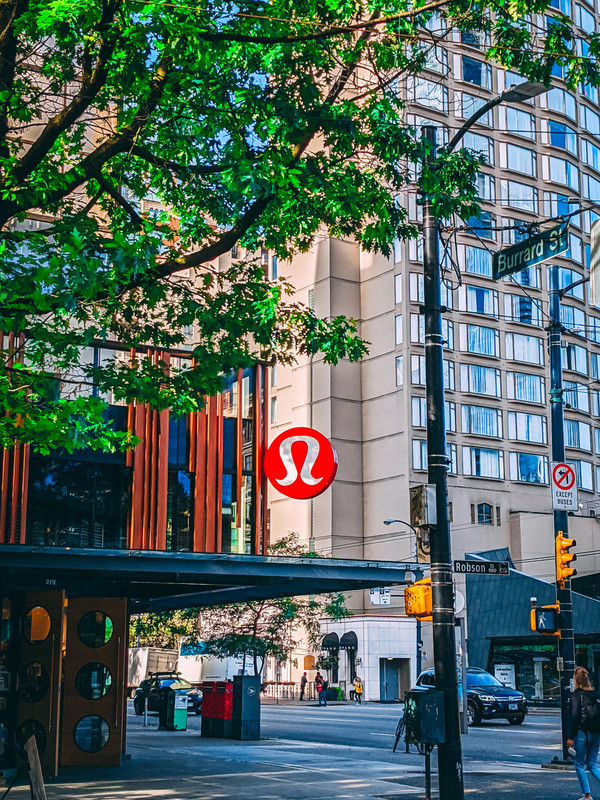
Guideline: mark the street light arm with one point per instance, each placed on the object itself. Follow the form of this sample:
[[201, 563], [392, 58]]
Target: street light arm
[[481, 112], [401, 522]]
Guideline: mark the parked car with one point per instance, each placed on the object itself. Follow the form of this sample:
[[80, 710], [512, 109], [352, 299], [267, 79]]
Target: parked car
[[148, 691], [487, 698]]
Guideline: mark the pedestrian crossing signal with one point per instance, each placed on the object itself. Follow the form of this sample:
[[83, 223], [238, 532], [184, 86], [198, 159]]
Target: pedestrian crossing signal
[[564, 558], [545, 620], [417, 600]]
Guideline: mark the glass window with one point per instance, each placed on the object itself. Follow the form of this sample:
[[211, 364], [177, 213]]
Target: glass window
[[398, 328], [567, 276], [417, 328], [476, 72], [91, 734], [451, 451], [561, 101], [523, 309], [419, 454], [397, 288], [519, 159], [430, 94], [95, 629], [273, 409], [483, 462], [593, 326], [574, 358], [559, 170], [480, 380], [556, 205], [450, 416], [485, 514], [531, 277], [574, 319], [449, 375], [597, 444], [34, 682], [180, 503], [595, 393], [480, 144], [590, 187], [481, 420], [469, 104], [578, 434], [583, 474], [486, 187], [576, 395], [417, 365], [399, 370], [519, 195], [481, 301], [589, 120], [419, 412], [527, 427], [519, 122], [521, 347], [528, 467], [473, 38], [93, 680], [584, 19], [480, 339], [525, 387], [562, 5], [437, 60], [562, 136], [475, 260], [482, 226], [416, 288], [37, 625]]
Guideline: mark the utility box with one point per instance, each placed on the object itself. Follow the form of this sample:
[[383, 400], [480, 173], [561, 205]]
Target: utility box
[[424, 715], [246, 707], [172, 710], [423, 508]]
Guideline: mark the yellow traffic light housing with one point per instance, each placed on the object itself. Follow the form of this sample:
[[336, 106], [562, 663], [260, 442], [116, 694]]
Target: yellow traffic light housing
[[546, 620], [564, 558], [417, 600]]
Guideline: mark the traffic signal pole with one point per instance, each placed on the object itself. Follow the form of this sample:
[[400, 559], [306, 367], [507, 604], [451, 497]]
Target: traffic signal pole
[[444, 643], [566, 642]]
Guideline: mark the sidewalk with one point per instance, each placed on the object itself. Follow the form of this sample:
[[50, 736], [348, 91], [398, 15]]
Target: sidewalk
[[184, 766]]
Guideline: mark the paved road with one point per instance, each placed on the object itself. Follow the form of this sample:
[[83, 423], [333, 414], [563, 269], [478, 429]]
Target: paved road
[[339, 753]]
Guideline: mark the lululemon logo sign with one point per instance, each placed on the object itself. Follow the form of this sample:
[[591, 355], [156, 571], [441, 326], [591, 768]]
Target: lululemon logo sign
[[301, 463]]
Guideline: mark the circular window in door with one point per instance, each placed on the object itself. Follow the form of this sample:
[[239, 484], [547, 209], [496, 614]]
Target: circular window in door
[[37, 625], [27, 729], [91, 733], [95, 629], [34, 682], [93, 680]]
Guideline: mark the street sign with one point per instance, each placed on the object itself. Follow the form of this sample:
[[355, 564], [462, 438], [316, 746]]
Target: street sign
[[564, 487], [530, 251], [381, 596], [482, 567]]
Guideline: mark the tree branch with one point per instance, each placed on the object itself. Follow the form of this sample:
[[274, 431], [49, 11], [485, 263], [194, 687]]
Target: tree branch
[[222, 36], [120, 200], [157, 161], [9, 11], [91, 84]]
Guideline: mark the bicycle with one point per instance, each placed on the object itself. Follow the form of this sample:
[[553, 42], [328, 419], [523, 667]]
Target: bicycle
[[400, 731]]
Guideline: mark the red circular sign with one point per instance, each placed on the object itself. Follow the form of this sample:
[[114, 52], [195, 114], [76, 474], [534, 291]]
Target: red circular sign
[[301, 463], [563, 476]]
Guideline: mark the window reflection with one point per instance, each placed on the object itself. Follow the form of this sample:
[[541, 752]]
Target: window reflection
[[95, 629], [93, 680], [91, 734], [37, 625]]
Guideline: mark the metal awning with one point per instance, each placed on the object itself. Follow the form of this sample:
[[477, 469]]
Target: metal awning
[[156, 580]]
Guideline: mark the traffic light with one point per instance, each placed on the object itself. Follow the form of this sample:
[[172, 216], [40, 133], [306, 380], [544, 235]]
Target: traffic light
[[417, 600], [546, 620], [564, 558]]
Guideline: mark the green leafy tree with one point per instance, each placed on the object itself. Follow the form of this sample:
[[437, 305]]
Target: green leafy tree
[[146, 137], [254, 630]]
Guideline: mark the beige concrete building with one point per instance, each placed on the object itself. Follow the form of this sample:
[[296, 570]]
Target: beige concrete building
[[543, 163]]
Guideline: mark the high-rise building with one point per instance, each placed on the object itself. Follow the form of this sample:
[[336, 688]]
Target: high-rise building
[[542, 165]]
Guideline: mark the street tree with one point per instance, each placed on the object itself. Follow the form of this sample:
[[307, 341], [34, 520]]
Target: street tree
[[142, 140], [254, 630]]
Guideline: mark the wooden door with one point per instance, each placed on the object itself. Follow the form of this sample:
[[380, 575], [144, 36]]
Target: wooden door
[[94, 682], [39, 679]]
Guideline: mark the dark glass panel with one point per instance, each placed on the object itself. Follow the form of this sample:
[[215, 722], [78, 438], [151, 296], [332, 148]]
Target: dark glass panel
[[95, 629], [180, 506], [34, 682], [91, 733], [93, 680], [27, 729], [77, 503], [178, 442]]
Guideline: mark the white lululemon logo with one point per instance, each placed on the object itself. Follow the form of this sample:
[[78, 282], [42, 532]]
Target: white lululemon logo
[[285, 453]]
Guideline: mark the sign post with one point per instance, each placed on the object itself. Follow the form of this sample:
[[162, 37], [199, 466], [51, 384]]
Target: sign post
[[564, 487], [530, 251]]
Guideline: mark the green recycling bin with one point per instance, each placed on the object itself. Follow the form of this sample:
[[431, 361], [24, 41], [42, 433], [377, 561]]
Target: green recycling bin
[[173, 710]]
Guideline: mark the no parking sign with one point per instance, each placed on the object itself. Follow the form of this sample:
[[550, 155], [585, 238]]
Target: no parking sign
[[564, 487]]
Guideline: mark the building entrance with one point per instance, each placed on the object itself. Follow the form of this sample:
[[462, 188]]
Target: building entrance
[[394, 679]]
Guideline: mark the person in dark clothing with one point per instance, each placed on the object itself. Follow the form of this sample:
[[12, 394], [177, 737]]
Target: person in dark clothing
[[584, 735], [303, 682]]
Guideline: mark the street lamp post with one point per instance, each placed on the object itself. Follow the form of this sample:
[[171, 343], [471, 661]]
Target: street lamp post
[[417, 620], [444, 641]]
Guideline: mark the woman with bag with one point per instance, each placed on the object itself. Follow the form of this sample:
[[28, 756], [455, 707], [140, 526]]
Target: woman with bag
[[584, 736], [358, 689]]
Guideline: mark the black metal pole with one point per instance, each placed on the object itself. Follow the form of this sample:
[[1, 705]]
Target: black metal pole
[[444, 642], [566, 643]]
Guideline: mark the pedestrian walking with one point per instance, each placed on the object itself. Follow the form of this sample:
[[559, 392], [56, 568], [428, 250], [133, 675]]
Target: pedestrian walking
[[321, 687], [358, 690], [585, 730], [303, 682]]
